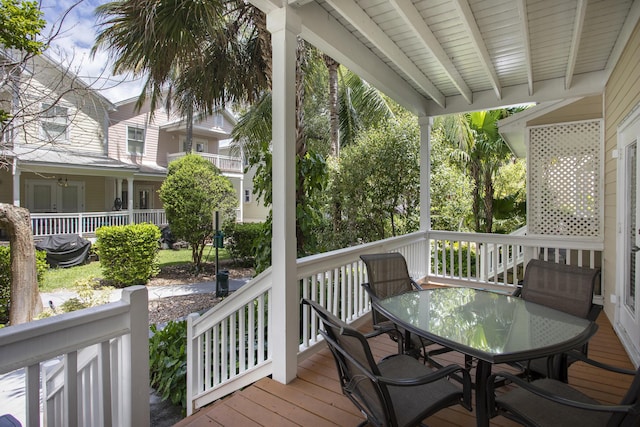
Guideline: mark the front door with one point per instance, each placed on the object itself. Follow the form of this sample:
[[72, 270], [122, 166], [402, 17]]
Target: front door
[[54, 196], [628, 307], [145, 197]]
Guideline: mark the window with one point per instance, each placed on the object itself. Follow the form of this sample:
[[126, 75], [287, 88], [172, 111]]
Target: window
[[247, 196], [54, 119], [196, 146], [135, 140]]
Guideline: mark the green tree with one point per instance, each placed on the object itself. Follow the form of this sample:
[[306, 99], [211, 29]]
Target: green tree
[[191, 193], [481, 151], [20, 24], [384, 162]]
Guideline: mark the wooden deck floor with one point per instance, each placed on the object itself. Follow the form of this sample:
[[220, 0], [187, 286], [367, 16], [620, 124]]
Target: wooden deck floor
[[315, 399]]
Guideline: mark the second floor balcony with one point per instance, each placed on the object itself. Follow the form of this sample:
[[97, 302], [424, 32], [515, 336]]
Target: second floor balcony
[[226, 164]]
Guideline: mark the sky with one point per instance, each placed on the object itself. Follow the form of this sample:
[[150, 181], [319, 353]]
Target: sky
[[73, 47]]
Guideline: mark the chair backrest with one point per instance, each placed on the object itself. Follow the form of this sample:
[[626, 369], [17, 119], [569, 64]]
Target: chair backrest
[[387, 275], [564, 287], [357, 369]]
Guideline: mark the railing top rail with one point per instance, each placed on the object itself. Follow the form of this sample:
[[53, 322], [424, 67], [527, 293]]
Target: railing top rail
[[567, 242], [40, 340]]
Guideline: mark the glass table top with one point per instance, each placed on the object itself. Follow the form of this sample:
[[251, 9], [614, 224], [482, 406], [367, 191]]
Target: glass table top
[[491, 326]]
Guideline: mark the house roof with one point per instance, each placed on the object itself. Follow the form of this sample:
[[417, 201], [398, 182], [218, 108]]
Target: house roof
[[447, 56], [56, 158]]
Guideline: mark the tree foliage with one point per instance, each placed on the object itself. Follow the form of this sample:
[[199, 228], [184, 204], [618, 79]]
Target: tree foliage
[[191, 193], [377, 183], [21, 23]]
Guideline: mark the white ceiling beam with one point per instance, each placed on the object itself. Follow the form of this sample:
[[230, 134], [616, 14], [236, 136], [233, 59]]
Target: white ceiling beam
[[412, 17], [585, 84], [578, 25], [369, 29], [327, 34], [526, 42], [472, 29]]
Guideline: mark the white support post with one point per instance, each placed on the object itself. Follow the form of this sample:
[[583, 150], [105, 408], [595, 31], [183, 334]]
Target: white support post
[[16, 183], [284, 25], [130, 197], [136, 353], [425, 124]]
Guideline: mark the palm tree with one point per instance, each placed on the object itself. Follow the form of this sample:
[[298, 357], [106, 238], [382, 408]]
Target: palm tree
[[196, 55], [482, 151]]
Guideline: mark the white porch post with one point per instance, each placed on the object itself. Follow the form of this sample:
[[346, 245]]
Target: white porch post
[[16, 183], [241, 199], [425, 172], [130, 197], [284, 26], [425, 185]]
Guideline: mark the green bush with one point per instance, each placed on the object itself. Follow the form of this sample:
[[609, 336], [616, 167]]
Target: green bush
[[128, 253], [240, 240], [168, 361], [5, 278]]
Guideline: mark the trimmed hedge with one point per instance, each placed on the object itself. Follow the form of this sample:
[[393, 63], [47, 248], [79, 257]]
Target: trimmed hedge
[[240, 240], [128, 253], [5, 279]]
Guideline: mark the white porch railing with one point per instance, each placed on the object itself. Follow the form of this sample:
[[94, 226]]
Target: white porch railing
[[84, 223], [333, 279], [224, 163], [102, 377]]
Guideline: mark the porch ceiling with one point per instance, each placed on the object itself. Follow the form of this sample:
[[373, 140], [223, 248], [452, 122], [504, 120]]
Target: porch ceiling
[[446, 56]]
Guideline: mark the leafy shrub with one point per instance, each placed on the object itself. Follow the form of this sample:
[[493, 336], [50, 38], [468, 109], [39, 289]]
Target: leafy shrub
[[168, 361], [5, 278], [241, 239], [90, 294], [128, 253]]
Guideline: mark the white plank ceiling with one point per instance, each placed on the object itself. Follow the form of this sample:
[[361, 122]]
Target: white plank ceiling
[[444, 56]]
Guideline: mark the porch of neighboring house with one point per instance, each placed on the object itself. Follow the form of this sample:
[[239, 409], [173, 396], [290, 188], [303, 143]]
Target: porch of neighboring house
[[314, 397]]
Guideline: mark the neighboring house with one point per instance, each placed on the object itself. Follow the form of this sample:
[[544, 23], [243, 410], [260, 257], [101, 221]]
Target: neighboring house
[[78, 161]]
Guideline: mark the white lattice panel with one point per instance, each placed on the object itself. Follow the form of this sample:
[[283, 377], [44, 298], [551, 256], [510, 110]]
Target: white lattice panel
[[564, 192]]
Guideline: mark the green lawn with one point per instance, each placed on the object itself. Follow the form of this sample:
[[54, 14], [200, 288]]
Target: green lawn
[[61, 278]]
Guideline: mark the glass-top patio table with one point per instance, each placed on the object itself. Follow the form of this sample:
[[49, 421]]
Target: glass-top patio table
[[489, 326]]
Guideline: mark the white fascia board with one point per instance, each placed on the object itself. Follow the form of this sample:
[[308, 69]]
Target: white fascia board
[[544, 91]]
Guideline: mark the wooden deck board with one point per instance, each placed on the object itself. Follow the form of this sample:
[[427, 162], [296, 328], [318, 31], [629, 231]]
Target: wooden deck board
[[314, 398]]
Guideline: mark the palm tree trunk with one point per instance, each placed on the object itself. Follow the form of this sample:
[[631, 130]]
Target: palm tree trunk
[[488, 201], [264, 36], [188, 147], [332, 67]]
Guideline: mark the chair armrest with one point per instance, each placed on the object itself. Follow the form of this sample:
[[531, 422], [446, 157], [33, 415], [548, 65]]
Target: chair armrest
[[580, 356], [436, 375], [530, 387]]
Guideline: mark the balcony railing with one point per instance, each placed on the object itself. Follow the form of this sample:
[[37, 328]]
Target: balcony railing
[[86, 223], [242, 321], [100, 374], [226, 164]]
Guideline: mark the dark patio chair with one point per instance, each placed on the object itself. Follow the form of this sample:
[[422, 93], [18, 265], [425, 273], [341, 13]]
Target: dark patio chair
[[565, 288], [388, 276], [549, 403], [398, 391]]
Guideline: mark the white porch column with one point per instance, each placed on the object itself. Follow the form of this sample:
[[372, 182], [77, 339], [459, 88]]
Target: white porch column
[[16, 183], [241, 199], [284, 26], [130, 197], [425, 172], [118, 188]]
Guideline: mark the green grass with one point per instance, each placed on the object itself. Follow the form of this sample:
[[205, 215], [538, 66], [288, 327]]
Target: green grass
[[56, 279]]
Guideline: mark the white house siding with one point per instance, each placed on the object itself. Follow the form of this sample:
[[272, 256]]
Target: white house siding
[[622, 93], [86, 112]]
